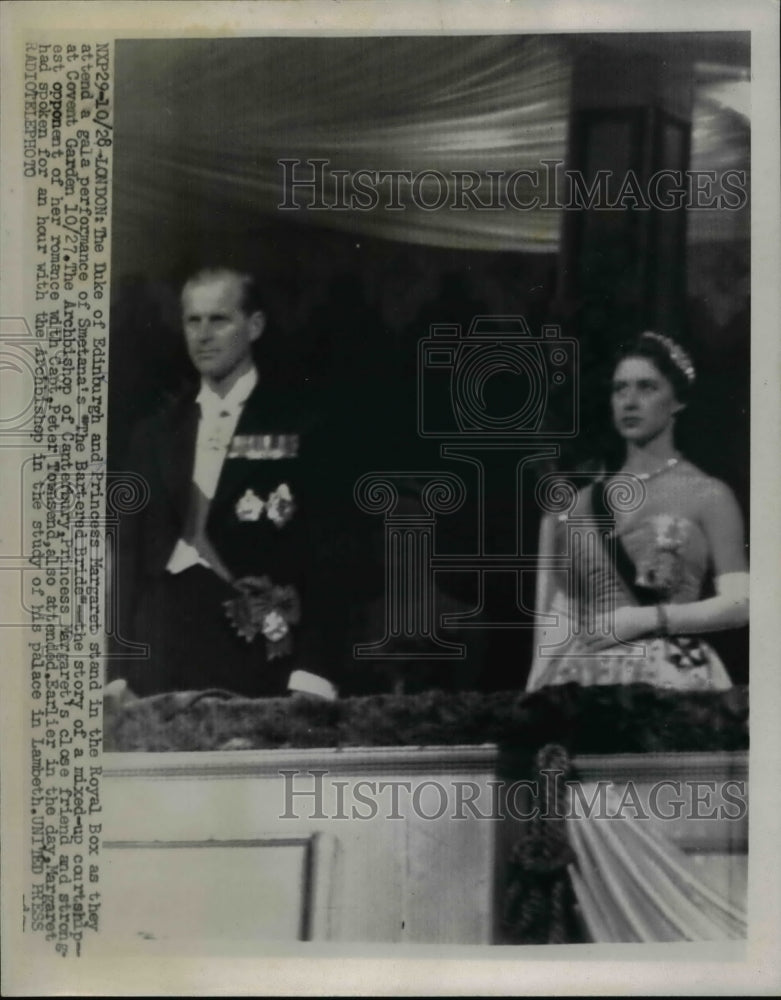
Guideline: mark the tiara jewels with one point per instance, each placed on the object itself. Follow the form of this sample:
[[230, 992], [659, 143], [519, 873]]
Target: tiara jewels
[[677, 355]]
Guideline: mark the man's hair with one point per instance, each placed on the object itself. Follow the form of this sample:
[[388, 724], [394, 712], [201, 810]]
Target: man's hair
[[251, 295]]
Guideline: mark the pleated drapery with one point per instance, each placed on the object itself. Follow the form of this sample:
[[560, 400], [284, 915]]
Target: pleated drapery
[[209, 123], [634, 884]]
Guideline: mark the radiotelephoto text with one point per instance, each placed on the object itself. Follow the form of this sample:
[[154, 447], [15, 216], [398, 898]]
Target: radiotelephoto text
[[55, 368]]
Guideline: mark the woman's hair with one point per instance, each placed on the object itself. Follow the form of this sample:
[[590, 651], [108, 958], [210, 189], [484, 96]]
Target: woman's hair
[[672, 361], [667, 356], [598, 450]]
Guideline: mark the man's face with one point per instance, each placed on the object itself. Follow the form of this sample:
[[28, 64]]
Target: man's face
[[219, 333]]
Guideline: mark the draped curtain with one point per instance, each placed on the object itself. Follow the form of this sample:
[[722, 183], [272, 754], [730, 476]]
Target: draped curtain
[[634, 884], [202, 124], [721, 141]]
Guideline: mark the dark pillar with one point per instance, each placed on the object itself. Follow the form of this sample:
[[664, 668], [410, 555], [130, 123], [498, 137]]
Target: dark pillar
[[623, 270]]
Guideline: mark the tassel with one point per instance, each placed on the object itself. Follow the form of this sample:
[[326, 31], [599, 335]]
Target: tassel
[[539, 900]]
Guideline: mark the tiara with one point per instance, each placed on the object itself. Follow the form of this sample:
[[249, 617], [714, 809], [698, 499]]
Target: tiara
[[676, 353]]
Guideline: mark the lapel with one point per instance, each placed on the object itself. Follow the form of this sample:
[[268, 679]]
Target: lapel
[[177, 452]]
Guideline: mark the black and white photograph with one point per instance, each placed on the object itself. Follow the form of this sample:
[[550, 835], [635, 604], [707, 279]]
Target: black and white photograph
[[430, 466], [430, 365]]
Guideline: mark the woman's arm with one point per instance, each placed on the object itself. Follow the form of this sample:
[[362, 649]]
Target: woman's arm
[[544, 589], [722, 523], [728, 609], [545, 596]]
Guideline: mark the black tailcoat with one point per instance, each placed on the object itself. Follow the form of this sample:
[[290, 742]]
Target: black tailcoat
[[181, 616]]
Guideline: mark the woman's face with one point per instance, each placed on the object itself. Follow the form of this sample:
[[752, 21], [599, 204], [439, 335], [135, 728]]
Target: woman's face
[[643, 399]]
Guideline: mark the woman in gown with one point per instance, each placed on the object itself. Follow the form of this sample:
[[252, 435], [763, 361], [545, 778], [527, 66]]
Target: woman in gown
[[621, 595], [622, 599]]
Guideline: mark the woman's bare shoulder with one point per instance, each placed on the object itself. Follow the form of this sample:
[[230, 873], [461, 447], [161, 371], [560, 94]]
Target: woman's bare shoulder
[[707, 490], [567, 501]]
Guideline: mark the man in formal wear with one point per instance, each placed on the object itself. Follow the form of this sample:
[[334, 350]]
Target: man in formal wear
[[223, 573]]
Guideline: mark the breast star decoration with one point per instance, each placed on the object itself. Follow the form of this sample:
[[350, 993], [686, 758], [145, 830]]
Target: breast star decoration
[[661, 569], [250, 507], [279, 507]]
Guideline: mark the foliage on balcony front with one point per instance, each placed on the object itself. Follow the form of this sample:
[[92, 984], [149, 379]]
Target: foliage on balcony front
[[622, 719]]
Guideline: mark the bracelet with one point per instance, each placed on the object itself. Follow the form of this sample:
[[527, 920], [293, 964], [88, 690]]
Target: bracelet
[[662, 621]]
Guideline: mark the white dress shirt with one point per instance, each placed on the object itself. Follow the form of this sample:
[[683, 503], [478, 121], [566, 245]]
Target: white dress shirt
[[219, 417]]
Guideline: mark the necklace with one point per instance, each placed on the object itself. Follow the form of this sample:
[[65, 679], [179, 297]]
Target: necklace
[[645, 476]]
